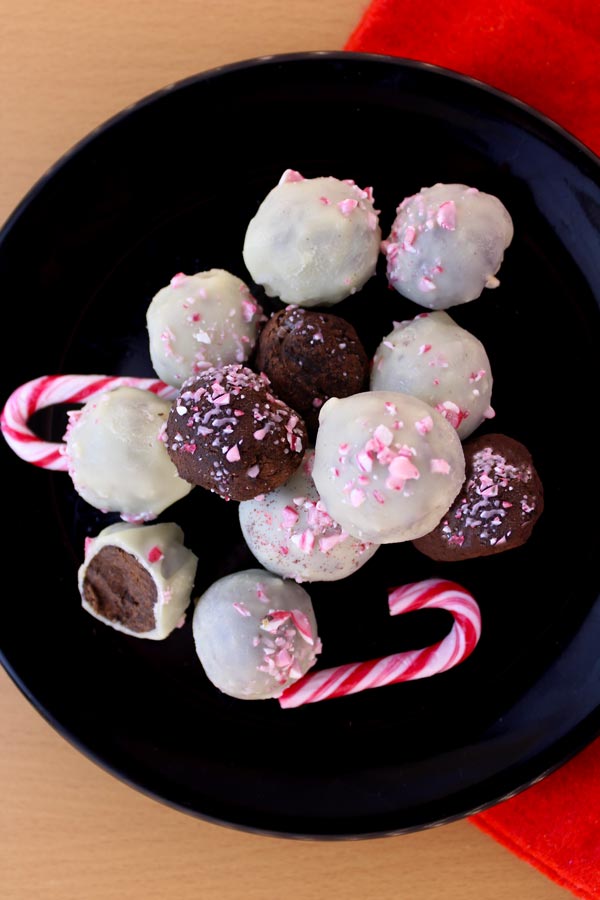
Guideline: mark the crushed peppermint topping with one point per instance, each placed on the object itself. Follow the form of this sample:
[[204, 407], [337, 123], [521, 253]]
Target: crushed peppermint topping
[[155, 554], [480, 507], [241, 608], [347, 206]]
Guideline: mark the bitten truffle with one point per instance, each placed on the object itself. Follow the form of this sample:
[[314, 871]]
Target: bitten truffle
[[447, 244], [310, 357], [255, 634], [138, 579], [498, 506], [313, 241], [228, 433]]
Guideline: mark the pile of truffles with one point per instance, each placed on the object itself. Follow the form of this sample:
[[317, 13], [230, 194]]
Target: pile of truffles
[[329, 453]]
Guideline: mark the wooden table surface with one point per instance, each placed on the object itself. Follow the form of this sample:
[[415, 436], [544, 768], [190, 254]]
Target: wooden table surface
[[68, 829]]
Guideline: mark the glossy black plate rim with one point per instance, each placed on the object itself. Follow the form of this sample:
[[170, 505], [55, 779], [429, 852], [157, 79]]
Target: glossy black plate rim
[[519, 777], [276, 59]]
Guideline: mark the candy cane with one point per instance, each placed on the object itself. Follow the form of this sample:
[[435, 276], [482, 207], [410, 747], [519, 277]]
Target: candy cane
[[435, 593], [51, 389]]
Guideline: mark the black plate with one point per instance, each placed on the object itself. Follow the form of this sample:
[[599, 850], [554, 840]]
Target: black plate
[[155, 192]]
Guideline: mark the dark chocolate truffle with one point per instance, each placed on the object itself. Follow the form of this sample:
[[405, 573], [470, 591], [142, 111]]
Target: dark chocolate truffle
[[500, 502], [118, 588], [310, 357], [228, 433]]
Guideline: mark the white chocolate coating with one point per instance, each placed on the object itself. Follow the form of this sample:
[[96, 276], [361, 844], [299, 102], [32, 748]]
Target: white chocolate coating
[[313, 241], [387, 465], [290, 532], [446, 245], [117, 458], [247, 650], [199, 321], [172, 567], [432, 358]]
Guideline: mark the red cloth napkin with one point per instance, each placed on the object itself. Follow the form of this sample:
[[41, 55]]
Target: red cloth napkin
[[547, 53]]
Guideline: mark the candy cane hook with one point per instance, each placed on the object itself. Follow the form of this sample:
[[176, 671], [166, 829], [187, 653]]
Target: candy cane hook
[[50, 389], [435, 593]]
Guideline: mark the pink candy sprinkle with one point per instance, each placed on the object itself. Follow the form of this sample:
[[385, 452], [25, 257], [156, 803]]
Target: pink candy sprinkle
[[439, 467], [357, 497], [248, 310], [426, 284], [446, 215], [325, 201], [409, 239], [87, 544], [424, 425], [330, 541], [253, 471], [476, 376], [304, 541], [401, 469], [289, 517], [452, 413], [364, 461], [223, 400], [290, 175], [424, 348], [242, 609], [155, 554], [347, 206], [178, 279], [233, 454], [384, 435]]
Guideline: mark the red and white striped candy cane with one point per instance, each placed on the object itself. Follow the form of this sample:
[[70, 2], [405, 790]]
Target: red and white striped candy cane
[[435, 593], [51, 389]]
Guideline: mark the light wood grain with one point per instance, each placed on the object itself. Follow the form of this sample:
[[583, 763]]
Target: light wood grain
[[68, 830]]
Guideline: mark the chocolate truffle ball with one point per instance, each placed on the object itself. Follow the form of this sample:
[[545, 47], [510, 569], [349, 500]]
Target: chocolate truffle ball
[[228, 433], [313, 241], [116, 455], [387, 466], [500, 502], [434, 359], [201, 321], [255, 634], [291, 533], [310, 357], [446, 245]]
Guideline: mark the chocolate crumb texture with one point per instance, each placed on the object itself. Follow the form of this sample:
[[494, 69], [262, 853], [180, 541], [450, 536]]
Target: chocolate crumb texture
[[501, 500]]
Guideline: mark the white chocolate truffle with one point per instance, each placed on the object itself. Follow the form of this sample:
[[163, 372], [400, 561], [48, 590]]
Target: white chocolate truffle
[[290, 532], [117, 458], [199, 321], [432, 358], [255, 634], [313, 241], [138, 579], [387, 465], [446, 245]]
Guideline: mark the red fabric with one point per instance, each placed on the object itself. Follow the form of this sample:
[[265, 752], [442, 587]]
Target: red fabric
[[547, 53]]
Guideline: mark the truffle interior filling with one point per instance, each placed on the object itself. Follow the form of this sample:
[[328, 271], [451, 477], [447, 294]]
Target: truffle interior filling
[[120, 589]]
